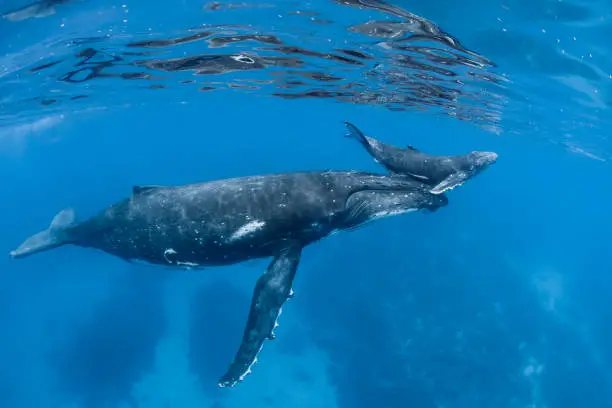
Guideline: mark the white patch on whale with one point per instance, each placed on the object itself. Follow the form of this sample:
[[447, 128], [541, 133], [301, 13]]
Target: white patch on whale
[[167, 252], [418, 176], [188, 265], [280, 311], [247, 229], [171, 251], [376, 145], [388, 213], [242, 58]]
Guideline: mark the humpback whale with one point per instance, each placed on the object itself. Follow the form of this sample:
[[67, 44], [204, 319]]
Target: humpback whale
[[441, 172], [228, 221]]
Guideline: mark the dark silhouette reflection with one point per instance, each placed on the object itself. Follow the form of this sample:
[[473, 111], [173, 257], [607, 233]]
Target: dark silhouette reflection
[[406, 62], [445, 334], [169, 42], [100, 364], [228, 5], [218, 313]]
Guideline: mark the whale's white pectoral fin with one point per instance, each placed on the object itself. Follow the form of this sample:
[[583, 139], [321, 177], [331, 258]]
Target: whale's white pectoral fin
[[273, 288], [452, 181]]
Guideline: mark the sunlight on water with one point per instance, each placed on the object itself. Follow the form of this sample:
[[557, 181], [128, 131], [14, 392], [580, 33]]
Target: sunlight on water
[[376, 54], [354, 51]]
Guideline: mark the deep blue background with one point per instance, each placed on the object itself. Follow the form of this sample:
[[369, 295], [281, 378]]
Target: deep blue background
[[501, 299]]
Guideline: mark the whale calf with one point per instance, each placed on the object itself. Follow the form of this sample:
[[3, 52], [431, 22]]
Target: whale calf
[[441, 172], [229, 221]]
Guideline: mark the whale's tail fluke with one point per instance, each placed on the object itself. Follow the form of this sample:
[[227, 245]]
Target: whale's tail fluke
[[355, 133], [56, 235]]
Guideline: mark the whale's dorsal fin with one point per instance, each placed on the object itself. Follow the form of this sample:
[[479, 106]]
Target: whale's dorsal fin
[[414, 149], [144, 189]]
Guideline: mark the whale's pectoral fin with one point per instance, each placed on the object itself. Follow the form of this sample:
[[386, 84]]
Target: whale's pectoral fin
[[363, 207], [273, 288], [452, 181]]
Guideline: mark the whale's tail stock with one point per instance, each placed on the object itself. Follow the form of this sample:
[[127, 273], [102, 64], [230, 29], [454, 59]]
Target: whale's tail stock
[[54, 236]]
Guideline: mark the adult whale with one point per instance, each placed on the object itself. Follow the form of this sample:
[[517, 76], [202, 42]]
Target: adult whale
[[441, 172], [229, 221]]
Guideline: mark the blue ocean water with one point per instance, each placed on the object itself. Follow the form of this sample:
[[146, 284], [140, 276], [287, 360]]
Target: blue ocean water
[[500, 299]]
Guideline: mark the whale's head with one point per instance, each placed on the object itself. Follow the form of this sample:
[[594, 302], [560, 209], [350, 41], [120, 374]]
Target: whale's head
[[464, 168], [478, 161]]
